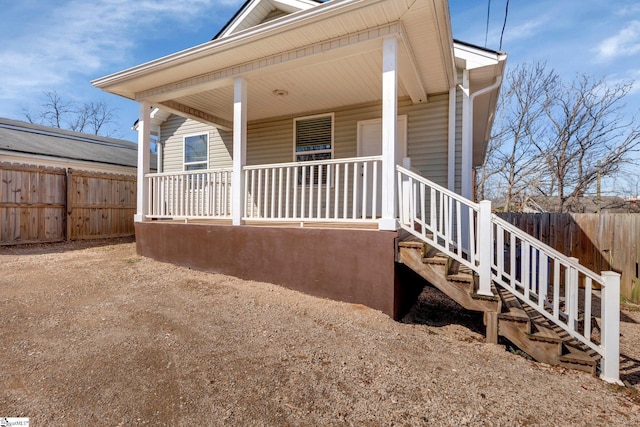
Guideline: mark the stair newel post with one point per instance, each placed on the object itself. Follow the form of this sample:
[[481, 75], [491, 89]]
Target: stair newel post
[[406, 192], [484, 248], [572, 294], [610, 331]]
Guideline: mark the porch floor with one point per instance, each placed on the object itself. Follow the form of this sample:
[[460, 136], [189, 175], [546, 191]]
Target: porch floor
[[360, 225]]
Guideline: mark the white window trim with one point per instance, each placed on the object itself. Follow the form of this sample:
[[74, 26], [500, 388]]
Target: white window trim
[[184, 150], [315, 116]]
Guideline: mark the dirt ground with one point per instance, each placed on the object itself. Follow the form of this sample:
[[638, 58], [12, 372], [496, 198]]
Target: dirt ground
[[93, 335]]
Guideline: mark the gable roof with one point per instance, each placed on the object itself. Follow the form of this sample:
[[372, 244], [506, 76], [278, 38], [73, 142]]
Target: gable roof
[[255, 12], [29, 139]]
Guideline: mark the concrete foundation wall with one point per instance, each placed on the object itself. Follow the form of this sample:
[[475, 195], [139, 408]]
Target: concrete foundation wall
[[356, 266]]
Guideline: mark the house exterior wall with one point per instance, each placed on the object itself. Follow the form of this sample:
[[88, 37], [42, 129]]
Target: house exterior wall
[[271, 141], [172, 133]]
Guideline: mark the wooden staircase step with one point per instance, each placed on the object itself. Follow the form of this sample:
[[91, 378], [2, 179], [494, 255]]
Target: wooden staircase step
[[435, 260], [461, 277], [578, 359], [414, 244]]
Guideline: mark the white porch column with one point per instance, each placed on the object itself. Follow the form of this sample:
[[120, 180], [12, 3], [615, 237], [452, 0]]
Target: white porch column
[[144, 138], [466, 184], [388, 221], [239, 148]]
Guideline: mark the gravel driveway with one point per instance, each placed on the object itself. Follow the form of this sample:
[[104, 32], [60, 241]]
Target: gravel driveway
[[94, 335]]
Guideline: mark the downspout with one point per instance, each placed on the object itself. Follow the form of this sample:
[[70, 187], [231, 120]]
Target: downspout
[[467, 143]]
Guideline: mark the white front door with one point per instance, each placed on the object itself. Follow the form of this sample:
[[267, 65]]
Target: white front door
[[370, 144]]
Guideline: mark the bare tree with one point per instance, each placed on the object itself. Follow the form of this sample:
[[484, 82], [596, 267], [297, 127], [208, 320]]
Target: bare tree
[[512, 150], [92, 117], [586, 135]]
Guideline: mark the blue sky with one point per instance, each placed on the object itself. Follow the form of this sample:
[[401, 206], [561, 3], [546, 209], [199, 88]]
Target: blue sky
[[62, 45]]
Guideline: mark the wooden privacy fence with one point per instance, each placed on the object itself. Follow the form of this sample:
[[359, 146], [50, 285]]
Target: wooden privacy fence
[[54, 204], [608, 241]]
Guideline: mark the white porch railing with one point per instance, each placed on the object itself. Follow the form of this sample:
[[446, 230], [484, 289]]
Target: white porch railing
[[556, 286], [192, 194], [321, 190]]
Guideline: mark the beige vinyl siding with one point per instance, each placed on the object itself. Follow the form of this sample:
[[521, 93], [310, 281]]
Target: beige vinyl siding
[[274, 14], [172, 135], [427, 124], [270, 141]]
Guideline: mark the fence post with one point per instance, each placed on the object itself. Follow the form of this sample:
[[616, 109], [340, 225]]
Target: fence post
[[484, 247], [68, 211], [610, 331]]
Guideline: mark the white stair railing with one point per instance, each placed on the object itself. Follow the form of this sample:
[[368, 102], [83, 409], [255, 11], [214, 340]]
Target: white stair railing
[[191, 194], [319, 190], [560, 289], [556, 286], [442, 218]]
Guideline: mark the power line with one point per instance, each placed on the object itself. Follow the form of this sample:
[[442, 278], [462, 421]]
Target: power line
[[486, 33], [504, 24]]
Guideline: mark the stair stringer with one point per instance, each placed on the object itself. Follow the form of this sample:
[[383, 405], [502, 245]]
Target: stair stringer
[[436, 274]]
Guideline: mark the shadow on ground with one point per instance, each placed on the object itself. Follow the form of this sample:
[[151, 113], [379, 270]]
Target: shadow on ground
[[60, 247], [434, 308]]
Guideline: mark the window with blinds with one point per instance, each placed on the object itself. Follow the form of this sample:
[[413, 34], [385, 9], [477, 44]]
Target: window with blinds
[[314, 141], [313, 138]]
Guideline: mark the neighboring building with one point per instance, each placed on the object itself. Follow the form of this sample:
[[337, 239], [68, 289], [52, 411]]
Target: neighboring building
[[307, 140], [37, 145], [60, 185], [587, 204]]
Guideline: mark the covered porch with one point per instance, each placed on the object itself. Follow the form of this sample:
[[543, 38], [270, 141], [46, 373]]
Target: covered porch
[[339, 55]]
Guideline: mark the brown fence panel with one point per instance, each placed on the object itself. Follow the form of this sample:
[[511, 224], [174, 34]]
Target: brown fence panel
[[602, 242], [101, 205], [32, 204], [53, 204]]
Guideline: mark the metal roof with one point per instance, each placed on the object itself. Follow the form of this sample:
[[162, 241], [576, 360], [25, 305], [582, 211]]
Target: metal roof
[[28, 138]]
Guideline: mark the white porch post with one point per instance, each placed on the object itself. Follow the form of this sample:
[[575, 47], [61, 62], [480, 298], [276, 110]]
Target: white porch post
[[388, 220], [144, 138], [239, 148]]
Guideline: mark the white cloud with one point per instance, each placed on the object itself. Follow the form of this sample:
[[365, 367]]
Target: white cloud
[[49, 46], [625, 43]]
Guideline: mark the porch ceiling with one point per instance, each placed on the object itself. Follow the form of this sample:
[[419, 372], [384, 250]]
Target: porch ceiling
[[324, 57]]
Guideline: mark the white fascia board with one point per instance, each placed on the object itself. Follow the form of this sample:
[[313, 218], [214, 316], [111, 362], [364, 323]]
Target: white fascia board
[[159, 116], [250, 35], [240, 18], [476, 58]]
